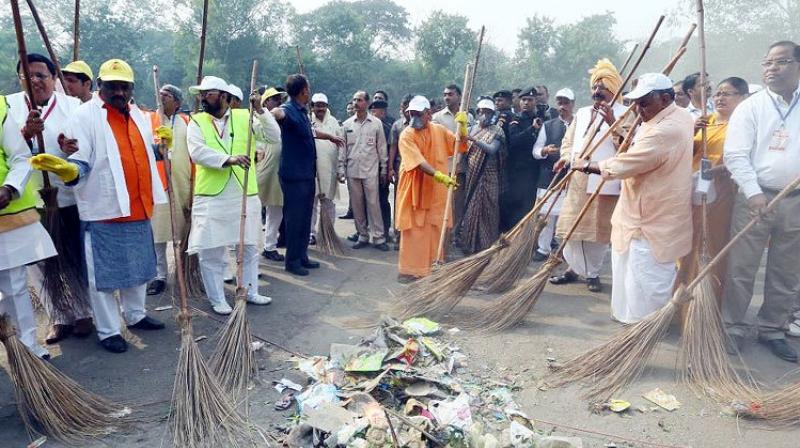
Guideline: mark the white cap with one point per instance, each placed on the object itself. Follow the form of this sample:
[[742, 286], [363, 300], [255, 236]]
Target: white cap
[[419, 103], [485, 104], [209, 83], [235, 91], [648, 83], [566, 93], [319, 98]]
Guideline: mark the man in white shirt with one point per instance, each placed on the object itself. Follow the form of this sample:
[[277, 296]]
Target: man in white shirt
[[691, 87], [762, 152]]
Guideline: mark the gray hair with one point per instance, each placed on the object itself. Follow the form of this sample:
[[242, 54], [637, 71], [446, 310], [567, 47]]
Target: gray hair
[[174, 91]]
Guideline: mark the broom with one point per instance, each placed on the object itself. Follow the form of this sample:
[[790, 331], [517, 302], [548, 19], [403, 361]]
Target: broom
[[616, 363], [63, 279], [201, 414], [191, 263], [705, 364], [46, 40], [76, 31], [233, 361], [50, 401]]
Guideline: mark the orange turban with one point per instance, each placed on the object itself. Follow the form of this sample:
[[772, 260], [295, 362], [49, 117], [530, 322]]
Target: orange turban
[[605, 71]]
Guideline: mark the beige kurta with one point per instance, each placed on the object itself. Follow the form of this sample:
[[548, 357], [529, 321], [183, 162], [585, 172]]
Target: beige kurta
[[269, 186], [181, 173], [596, 224], [327, 156]]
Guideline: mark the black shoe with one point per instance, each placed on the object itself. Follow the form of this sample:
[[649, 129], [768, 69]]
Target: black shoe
[[781, 349], [594, 285], [538, 256], [383, 247], [115, 344], [360, 245], [734, 344], [567, 277], [312, 240], [297, 270], [148, 323], [83, 327], [272, 255], [310, 264], [348, 215], [353, 237], [58, 332], [156, 287], [406, 279]]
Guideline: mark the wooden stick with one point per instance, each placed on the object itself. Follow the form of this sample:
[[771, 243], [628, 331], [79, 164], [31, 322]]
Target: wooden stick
[[157, 88], [240, 254], [46, 40], [23, 58], [469, 77], [703, 130], [630, 56], [299, 60], [76, 31], [417, 427], [391, 429], [203, 30]]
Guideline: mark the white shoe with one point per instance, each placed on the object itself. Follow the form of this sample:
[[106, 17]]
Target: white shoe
[[794, 329], [222, 308], [258, 299]]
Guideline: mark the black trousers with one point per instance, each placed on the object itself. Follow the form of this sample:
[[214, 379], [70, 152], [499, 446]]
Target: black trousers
[[386, 209], [298, 202]]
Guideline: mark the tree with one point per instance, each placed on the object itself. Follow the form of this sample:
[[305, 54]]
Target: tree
[[440, 38]]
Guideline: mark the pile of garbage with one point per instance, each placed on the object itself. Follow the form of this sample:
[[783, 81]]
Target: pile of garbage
[[404, 386]]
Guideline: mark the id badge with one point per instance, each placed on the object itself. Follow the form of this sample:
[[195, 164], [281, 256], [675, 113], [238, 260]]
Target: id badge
[[370, 141], [780, 138]]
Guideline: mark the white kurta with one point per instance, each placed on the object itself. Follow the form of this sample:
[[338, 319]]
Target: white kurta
[[606, 150], [642, 285], [327, 156]]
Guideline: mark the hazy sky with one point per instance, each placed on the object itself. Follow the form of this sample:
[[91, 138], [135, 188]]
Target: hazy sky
[[504, 18]]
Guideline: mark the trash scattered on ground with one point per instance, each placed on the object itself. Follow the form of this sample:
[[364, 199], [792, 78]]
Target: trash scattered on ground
[[618, 405], [663, 399], [405, 381], [38, 442], [200, 338], [256, 346], [163, 308]]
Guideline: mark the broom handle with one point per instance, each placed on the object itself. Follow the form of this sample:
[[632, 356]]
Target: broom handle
[[46, 40], [703, 130], [724, 251], [630, 56], [299, 60], [203, 30], [157, 88], [23, 58], [469, 77], [240, 254], [76, 31]]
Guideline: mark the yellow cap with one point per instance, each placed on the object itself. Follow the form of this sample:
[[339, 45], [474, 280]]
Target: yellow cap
[[116, 70], [270, 92], [79, 67]]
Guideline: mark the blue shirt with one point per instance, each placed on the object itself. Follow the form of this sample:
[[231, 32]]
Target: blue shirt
[[299, 153]]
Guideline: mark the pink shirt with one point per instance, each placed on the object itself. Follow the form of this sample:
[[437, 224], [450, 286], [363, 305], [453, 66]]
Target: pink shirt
[[655, 203]]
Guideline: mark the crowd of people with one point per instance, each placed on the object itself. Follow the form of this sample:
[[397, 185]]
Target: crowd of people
[[104, 154]]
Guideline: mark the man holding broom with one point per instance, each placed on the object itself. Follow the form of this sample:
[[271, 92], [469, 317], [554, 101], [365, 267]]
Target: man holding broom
[[327, 160], [217, 141], [116, 185], [422, 187], [649, 226]]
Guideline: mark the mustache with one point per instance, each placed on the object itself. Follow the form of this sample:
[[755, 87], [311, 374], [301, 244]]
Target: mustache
[[598, 97]]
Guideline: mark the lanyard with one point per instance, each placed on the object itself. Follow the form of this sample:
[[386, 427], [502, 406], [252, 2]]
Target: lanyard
[[49, 109], [220, 132], [788, 112]]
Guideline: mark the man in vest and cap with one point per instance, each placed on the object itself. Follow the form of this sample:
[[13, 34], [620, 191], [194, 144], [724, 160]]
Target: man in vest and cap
[[50, 117], [116, 184], [168, 115], [22, 237], [78, 79], [327, 159], [269, 186], [217, 140]]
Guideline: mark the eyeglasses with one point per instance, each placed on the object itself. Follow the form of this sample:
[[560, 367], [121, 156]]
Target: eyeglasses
[[776, 63], [725, 94], [206, 93], [36, 76]]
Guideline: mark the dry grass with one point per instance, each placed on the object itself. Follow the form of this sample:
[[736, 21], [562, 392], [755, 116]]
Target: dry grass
[[328, 242], [50, 402], [233, 361], [510, 265], [616, 363]]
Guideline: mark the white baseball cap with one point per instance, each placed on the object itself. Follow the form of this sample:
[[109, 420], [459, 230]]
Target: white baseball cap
[[209, 83], [566, 93], [485, 104], [235, 91], [648, 83], [419, 103], [319, 98]]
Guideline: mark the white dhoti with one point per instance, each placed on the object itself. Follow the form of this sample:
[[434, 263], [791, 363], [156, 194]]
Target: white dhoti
[[322, 205], [585, 258], [549, 230], [640, 283], [272, 225], [215, 226]]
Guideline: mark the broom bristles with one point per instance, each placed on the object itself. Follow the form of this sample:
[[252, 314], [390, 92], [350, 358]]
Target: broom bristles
[[49, 400], [778, 408], [510, 265], [705, 364], [512, 307], [619, 361], [201, 414], [441, 291], [328, 241], [233, 361]]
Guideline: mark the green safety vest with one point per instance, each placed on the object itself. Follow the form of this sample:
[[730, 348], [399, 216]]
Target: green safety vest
[[27, 200], [211, 181]]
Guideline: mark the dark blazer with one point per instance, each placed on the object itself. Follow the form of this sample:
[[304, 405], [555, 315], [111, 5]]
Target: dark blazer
[[555, 130], [298, 151]]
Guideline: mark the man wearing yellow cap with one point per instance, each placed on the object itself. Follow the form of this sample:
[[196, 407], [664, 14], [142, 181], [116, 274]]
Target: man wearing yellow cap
[[50, 116], [78, 79], [269, 186], [113, 175], [586, 250]]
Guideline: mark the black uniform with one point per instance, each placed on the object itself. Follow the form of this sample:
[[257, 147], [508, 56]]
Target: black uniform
[[521, 170]]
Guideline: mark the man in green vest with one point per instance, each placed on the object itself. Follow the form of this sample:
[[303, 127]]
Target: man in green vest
[[22, 237], [217, 141]]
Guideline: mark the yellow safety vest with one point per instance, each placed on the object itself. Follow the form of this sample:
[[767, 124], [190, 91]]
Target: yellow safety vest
[[27, 200], [211, 181]]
